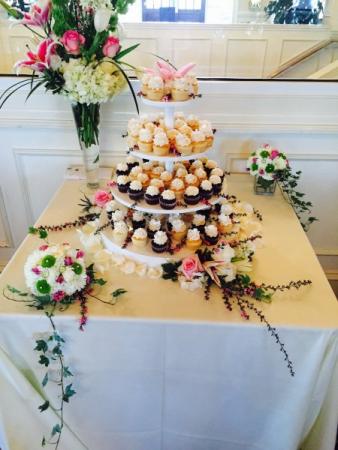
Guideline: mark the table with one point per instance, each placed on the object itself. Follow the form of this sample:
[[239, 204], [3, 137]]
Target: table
[[165, 370]]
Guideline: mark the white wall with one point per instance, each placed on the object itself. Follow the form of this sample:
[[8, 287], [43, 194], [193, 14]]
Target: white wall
[[38, 142]]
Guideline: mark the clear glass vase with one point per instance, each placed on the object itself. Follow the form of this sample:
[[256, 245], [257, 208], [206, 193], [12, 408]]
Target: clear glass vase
[[87, 121], [264, 187]]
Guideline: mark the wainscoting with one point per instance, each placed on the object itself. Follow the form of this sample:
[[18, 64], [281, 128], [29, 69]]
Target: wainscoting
[[38, 142]]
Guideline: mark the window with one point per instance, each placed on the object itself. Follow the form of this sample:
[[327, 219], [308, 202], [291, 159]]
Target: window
[[173, 11]]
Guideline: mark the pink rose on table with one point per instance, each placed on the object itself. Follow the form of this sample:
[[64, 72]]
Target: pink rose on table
[[72, 41], [101, 198], [274, 154], [58, 296], [190, 266], [111, 47]]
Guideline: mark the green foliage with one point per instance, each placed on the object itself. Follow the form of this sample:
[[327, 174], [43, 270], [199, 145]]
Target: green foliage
[[45, 380], [13, 290], [99, 281], [40, 231], [41, 346], [118, 292], [56, 429], [63, 15], [125, 52], [44, 361], [44, 406], [288, 182], [69, 392], [170, 271]]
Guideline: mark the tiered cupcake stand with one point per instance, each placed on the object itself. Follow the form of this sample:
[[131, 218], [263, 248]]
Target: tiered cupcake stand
[[147, 255]]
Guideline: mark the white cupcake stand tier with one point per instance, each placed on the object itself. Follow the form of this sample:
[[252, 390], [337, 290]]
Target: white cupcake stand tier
[[167, 160], [145, 254]]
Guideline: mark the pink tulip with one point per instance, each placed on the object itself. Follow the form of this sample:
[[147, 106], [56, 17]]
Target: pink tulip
[[111, 47], [72, 41], [38, 15], [41, 60]]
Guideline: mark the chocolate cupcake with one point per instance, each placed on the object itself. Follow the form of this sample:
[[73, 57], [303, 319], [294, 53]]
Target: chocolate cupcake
[[122, 169], [198, 222], [131, 162], [192, 195], [209, 165], [210, 234], [154, 225], [123, 183], [216, 182], [206, 190], [138, 220], [135, 190], [168, 199], [160, 242], [110, 208], [152, 195], [218, 171]]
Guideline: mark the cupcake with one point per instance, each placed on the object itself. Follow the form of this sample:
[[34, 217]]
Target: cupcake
[[210, 165], [227, 209], [123, 183], [170, 221], [155, 88], [135, 190], [218, 171], [192, 195], [172, 133], [193, 83], [186, 130], [180, 90], [153, 226], [216, 182], [160, 242], [139, 237], [143, 178], [224, 224], [177, 185], [166, 177], [134, 127], [120, 232], [110, 208], [158, 183], [131, 162], [183, 144], [179, 230], [147, 167], [198, 222], [161, 144], [191, 180], [145, 141], [134, 172], [168, 199], [156, 172], [179, 122], [196, 165], [152, 195], [201, 174], [193, 241], [193, 122], [122, 169], [206, 190], [199, 142], [181, 172], [118, 216], [138, 220], [206, 128], [144, 84], [211, 234]]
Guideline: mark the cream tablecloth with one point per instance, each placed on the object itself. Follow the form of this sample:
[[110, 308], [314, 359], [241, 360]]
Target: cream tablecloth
[[165, 370]]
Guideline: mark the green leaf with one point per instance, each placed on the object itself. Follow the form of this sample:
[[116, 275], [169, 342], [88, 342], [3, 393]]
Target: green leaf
[[58, 338], [42, 233], [67, 372], [41, 346], [45, 380], [96, 159], [69, 392], [13, 290], [43, 442], [118, 292], [56, 429], [245, 279], [32, 230], [44, 406], [125, 52], [99, 281], [57, 350], [44, 361]]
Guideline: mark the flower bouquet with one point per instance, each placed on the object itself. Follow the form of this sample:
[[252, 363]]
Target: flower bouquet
[[79, 56], [264, 164]]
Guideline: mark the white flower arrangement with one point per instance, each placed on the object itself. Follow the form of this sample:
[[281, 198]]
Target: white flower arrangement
[[266, 161], [55, 270]]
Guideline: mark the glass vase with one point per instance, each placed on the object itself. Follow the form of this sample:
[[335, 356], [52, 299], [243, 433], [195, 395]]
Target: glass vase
[[264, 187], [87, 121]]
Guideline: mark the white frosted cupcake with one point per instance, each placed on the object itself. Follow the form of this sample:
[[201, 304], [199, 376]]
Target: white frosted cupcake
[[160, 242], [191, 180], [122, 169], [201, 174], [139, 237], [183, 144], [194, 240], [122, 183], [120, 232], [227, 209], [211, 234], [206, 128], [153, 226], [224, 224], [144, 83], [199, 141], [198, 221], [145, 141], [196, 165], [179, 230], [166, 177], [135, 171], [180, 90], [158, 183], [168, 199], [143, 178], [177, 185], [118, 215], [161, 144], [156, 171], [217, 171], [193, 121], [155, 89]]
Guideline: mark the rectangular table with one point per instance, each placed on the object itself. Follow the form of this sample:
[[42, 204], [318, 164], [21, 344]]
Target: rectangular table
[[165, 370]]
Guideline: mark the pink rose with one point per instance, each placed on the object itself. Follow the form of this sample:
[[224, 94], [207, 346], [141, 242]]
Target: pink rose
[[43, 247], [274, 154], [58, 296], [68, 261], [72, 40], [190, 266], [80, 254], [101, 198], [111, 46]]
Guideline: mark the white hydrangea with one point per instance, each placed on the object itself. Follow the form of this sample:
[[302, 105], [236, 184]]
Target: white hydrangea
[[90, 83]]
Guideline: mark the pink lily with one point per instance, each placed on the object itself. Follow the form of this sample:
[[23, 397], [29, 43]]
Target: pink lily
[[184, 70], [41, 60], [38, 14], [210, 268]]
